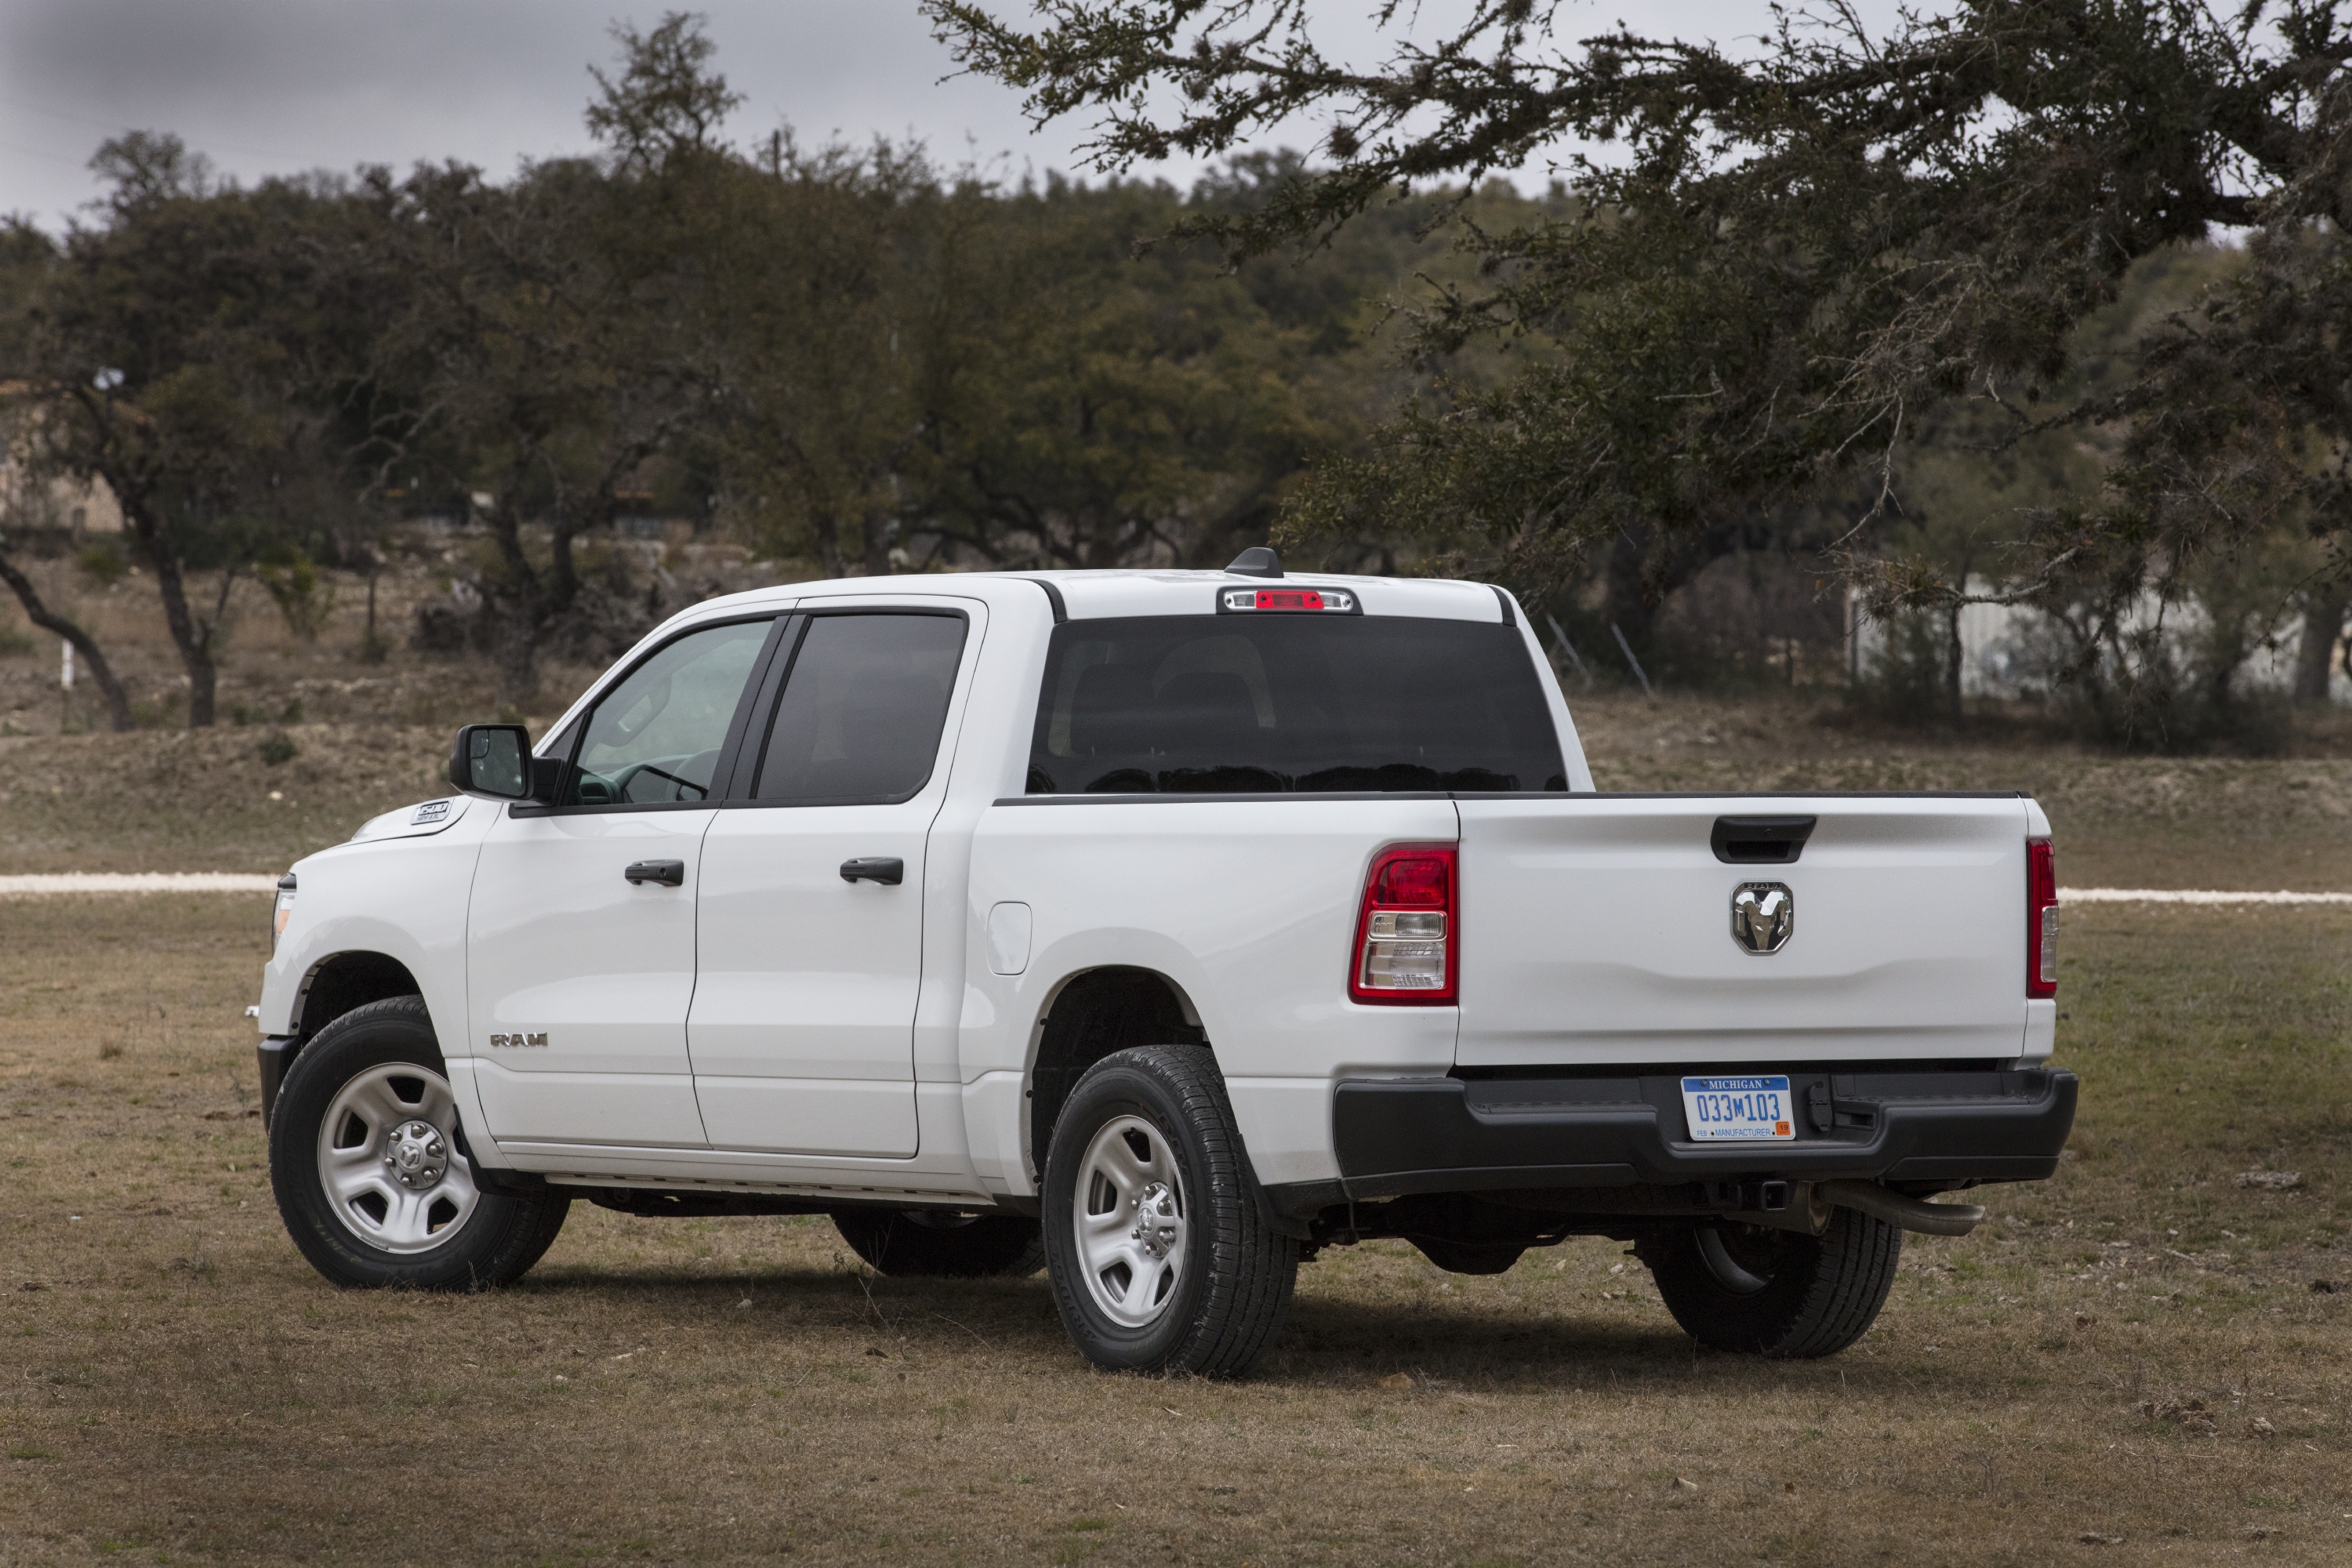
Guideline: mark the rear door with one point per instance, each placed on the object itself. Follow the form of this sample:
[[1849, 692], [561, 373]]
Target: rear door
[[803, 1031], [1600, 929], [579, 974]]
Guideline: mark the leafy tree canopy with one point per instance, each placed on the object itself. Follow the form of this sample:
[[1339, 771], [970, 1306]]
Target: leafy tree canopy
[[1776, 265]]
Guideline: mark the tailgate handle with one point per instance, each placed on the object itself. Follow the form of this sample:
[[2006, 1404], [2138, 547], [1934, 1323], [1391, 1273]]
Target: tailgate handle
[[1761, 840]]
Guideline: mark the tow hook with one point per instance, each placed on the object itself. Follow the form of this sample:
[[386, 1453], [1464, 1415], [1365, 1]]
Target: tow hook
[[1776, 1206]]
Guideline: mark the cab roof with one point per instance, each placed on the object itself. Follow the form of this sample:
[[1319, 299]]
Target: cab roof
[[1096, 596]]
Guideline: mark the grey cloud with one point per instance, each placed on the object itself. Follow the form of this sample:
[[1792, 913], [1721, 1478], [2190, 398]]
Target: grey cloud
[[272, 86], [280, 86]]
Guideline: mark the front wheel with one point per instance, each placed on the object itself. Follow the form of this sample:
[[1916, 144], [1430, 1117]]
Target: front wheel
[[1776, 1292], [370, 1171], [1156, 1242]]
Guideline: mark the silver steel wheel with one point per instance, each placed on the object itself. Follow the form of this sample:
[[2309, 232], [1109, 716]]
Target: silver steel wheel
[[1130, 1219], [388, 1160]]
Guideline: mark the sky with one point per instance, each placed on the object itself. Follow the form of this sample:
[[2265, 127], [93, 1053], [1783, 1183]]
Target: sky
[[267, 87]]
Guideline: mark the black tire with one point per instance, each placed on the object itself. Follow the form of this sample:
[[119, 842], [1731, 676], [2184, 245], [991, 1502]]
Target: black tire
[[936, 1244], [486, 1240], [1223, 1285], [1776, 1292]]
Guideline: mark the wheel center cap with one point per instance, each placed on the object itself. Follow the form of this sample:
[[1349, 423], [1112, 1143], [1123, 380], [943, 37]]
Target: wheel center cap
[[1156, 1223], [417, 1156]]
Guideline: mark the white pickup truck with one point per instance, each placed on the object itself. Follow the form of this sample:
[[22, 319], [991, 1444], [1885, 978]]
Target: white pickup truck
[[1159, 929]]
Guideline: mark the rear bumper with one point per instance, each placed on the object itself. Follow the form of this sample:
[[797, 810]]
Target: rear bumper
[[1448, 1135]]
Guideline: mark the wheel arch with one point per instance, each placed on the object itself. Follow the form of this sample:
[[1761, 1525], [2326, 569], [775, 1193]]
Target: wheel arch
[[341, 981], [1089, 1013]]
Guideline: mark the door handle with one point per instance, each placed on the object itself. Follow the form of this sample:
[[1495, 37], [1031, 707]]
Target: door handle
[[887, 869], [668, 873]]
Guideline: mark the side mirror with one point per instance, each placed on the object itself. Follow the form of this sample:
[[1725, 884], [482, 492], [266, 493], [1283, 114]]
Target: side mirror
[[493, 761]]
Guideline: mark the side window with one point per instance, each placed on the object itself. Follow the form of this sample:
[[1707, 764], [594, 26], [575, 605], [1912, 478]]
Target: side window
[[862, 710], [656, 737]]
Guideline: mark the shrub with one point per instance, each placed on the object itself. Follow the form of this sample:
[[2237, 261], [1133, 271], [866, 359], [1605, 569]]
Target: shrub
[[103, 562], [302, 598]]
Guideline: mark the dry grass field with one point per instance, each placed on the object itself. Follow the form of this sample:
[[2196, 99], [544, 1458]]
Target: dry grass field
[[2133, 1363], [315, 736], [209, 800]]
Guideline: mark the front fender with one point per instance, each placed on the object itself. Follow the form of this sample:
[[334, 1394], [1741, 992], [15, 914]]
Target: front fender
[[403, 898]]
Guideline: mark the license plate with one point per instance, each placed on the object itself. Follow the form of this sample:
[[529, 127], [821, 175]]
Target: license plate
[[1738, 1110]]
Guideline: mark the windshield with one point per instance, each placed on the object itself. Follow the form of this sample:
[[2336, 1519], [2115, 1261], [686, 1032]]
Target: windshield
[[1261, 704]]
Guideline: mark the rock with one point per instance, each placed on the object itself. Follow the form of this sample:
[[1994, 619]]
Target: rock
[[2092, 1538], [2271, 1181]]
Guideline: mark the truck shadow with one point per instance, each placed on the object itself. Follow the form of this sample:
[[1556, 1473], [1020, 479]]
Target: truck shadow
[[1327, 1343]]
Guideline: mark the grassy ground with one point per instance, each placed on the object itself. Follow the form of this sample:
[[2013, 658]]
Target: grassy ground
[[316, 736], [215, 801], [2118, 821], [2130, 1364]]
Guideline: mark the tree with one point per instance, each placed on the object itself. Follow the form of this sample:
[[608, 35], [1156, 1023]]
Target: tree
[[25, 256], [558, 334], [184, 351], [1116, 409], [921, 366], [37, 611], [1783, 264], [853, 303], [2242, 422]]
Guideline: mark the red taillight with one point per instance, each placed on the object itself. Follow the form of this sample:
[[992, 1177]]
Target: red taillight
[[1323, 601], [1407, 936], [2041, 919]]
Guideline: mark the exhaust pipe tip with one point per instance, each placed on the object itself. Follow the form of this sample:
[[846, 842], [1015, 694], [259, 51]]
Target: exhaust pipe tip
[[1895, 1208]]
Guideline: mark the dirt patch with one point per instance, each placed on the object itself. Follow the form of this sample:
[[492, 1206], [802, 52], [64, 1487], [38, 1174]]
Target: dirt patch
[[204, 800]]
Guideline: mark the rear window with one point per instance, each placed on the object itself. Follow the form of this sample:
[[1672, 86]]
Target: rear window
[[1264, 704]]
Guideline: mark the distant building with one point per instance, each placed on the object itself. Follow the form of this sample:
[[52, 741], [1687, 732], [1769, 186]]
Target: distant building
[[2015, 650], [78, 508]]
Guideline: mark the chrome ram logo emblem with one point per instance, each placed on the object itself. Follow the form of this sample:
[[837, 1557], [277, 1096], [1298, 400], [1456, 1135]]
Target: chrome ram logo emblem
[[1763, 917]]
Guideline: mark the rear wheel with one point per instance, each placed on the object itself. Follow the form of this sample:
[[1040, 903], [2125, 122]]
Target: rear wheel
[[370, 1169], [1155, 1238], [1776, 1292], [937, 1244]]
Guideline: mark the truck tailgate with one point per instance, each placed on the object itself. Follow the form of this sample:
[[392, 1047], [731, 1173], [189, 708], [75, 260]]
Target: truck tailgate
[[1598, 929]]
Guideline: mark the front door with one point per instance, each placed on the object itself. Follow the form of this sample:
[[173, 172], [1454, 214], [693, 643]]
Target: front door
[[803, 1022], [580, 939]]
